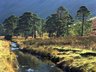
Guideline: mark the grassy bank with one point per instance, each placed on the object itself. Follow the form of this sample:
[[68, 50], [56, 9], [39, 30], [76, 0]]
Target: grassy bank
[[7, 58], [72, 54]]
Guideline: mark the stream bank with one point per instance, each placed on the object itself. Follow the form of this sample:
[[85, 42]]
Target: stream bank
[[32, 63]]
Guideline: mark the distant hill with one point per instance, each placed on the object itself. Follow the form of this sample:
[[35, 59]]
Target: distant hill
[[42, 7]]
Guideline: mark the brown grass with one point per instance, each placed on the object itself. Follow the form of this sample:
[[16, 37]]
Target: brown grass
[[7, 58]]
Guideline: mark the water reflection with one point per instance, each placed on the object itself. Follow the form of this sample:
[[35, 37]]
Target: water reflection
[[14, 46], [29, 63]]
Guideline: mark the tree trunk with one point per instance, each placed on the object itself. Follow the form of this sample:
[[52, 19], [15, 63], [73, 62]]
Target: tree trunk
[[58, 34], [50, 34], [82, 33], [67, 30], [34, 34]]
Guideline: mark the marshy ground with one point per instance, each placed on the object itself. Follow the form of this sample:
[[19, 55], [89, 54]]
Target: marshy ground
[[71, 54], [75, 54]]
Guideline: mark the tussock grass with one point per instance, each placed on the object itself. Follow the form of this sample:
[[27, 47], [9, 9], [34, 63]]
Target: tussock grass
[[77, 61], [75, 54], [88, 42], [7, 58]]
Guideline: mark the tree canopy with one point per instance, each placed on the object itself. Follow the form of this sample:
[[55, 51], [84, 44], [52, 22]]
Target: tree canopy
[[10, 24], [28, 24], [82, 14], [61, 23], [58, 23]]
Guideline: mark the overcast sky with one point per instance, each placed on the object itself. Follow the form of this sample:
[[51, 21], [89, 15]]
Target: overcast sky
[[42, 7]]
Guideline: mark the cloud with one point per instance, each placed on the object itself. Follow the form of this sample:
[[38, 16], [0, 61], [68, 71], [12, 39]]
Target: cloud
[[42, 7]]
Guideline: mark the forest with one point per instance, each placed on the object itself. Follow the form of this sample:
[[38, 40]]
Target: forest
[[58, 24]]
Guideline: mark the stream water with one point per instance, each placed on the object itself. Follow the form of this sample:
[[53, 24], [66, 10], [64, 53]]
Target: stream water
[[30, 63]]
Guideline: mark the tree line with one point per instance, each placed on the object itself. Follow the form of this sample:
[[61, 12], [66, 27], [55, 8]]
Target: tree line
[[61, 23]]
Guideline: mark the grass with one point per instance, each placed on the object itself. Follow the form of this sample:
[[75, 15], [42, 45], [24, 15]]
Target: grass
[[7, 59], [76, 60], [88, 42], [77, 54]]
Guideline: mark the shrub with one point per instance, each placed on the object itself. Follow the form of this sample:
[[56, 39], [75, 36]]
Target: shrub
[[8, 37]]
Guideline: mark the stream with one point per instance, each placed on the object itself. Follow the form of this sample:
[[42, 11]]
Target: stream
[[31, 63]]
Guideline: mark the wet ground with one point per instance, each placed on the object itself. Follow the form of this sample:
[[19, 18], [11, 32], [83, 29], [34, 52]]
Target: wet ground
[[30, 63]]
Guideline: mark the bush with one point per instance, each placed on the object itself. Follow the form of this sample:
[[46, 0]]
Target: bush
[[8, 37]]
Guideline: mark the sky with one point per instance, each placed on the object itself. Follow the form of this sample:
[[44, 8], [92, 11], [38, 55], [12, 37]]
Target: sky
[[42, 7]]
